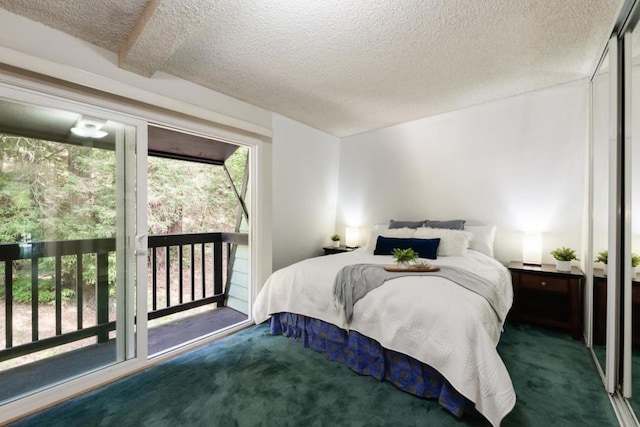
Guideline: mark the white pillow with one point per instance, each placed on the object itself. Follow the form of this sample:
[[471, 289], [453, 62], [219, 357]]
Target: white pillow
[[384, 231], [483, 236], [373, 236], [452, 242]]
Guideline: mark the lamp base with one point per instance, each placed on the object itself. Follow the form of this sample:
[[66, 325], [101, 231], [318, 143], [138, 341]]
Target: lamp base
[[532, 266]]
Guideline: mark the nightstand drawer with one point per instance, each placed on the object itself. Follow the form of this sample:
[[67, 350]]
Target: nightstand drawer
[[545, 283]]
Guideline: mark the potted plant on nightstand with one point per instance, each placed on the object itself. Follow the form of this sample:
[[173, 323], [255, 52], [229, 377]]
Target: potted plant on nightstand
[[336, 240], [635, 262], [603, 257], [563, 257]]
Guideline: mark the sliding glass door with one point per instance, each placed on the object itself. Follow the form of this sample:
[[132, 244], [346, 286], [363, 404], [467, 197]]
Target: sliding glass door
[[68, 270], [198, 237]]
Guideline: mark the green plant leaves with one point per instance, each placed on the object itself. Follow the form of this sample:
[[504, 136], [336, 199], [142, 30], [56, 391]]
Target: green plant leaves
[[564, 254], [404, 255]]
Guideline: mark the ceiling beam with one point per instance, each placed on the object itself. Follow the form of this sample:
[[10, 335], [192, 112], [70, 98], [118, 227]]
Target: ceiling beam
[[162, 28]]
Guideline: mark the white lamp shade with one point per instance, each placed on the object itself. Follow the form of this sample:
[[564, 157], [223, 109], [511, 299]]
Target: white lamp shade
[[532, 248], [352, 237]]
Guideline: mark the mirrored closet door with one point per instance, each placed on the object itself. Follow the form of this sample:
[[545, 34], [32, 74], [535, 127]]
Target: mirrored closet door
[[604, 223], [615, 215], [600, 93]]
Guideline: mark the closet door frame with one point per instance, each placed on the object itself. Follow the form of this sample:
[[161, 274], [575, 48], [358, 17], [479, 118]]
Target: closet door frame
[[614, 220], [626, 175], [627, 283]]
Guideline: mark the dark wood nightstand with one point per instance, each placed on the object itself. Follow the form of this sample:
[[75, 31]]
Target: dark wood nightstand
[[330, 250], [600, 309], [546, 296]]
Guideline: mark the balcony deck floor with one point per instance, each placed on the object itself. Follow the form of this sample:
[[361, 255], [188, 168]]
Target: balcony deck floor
[[30, 377]]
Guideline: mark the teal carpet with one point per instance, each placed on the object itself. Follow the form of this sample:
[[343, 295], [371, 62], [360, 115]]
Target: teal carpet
[[254, 379], [635, 381]]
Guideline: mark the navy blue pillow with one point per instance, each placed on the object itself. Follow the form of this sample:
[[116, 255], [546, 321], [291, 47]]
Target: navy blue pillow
[[426, 248]]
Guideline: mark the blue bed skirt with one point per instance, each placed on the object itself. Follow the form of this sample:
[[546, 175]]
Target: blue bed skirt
[[367, 357]]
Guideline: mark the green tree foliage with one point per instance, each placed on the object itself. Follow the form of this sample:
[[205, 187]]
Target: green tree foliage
[[188, 197], [57, 191]]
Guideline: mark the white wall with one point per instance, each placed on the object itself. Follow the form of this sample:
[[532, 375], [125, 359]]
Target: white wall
[[517, 163], [305, 182]]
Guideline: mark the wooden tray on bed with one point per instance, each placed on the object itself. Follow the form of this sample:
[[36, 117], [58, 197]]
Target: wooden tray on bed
[[394, 268]]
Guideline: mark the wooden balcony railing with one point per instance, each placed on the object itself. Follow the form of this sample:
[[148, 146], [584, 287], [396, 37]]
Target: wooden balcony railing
[[159, 248]]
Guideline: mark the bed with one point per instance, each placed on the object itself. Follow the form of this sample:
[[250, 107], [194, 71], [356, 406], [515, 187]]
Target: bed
[[418, 329]]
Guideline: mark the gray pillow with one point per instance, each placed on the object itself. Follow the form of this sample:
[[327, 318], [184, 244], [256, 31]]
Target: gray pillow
[[405, 224], [453, 224]]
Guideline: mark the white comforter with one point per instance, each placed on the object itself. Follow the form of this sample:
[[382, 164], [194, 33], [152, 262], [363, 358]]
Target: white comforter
[[429, 318]]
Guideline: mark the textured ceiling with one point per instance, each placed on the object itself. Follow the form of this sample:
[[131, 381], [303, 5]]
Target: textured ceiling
[[106, 23], [346, 67]]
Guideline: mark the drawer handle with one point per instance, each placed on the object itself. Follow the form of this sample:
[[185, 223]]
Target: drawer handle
[[543, 283]]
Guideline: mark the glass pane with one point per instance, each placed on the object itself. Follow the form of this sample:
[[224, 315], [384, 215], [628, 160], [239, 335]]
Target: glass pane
[[600, 203], [61, 188]]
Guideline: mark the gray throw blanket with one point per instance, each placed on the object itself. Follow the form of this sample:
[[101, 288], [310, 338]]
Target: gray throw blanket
[[354, 281]]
